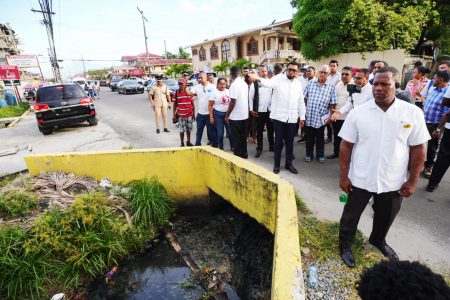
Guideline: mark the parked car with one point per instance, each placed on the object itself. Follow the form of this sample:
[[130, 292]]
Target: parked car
[[130, 87], [150, 83], [102, 82], [172, 84], [114, 81], [62, 105], [193, 79]]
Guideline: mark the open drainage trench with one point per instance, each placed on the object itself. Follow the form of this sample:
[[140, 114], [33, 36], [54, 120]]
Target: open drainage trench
[[224, 254]]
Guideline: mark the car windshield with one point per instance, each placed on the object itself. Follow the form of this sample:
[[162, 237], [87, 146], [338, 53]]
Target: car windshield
[[170, 82], [59, 92], [127, 82]]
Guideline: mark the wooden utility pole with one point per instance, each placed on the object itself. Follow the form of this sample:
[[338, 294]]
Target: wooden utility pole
[[145, 38]]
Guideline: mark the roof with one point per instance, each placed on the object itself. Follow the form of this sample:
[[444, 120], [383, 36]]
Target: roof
[[168, 61], [142, 55], [243, 32]]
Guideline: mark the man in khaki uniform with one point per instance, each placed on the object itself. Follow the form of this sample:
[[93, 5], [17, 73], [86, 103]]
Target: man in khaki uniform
[[159, 96]]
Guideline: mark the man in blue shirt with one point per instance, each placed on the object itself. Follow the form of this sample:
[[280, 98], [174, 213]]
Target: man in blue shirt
[[434, 111], [320, 98]]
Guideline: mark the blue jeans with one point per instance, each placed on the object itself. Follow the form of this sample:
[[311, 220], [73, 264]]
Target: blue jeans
[[220, 125], [202, 121], [91, 93]]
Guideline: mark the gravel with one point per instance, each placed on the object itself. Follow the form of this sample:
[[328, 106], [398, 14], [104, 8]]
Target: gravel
[[328, 278]]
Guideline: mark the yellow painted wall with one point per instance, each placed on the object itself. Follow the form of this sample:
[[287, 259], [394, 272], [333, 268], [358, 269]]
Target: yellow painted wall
[[188, 174]]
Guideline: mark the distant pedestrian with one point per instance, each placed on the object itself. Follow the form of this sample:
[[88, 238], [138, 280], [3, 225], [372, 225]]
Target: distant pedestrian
[[434, 112], [97, 89], [417, 83], [277, 69], [382, 154], [334, 77], [378, 65], [443, 66], [320, 100], [211, 78], [443, 158], [92, 89], [183, 112], [159, 96], [219, 101], [287, 109], [237, 113]]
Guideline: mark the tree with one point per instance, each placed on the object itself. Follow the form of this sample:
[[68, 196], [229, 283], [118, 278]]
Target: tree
[[175, 70], [98, 74], [223, 67], [169, 55], [183, 54], [241, 63], [329, 27]]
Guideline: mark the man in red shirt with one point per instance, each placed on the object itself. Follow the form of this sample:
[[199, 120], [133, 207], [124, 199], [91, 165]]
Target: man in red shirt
[[184, 110]]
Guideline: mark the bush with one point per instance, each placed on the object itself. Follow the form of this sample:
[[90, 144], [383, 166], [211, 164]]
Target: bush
[[16, 203], [149, 203], [14, 110]]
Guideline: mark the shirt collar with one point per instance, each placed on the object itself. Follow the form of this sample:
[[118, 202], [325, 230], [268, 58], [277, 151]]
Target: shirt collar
[[394, 105]]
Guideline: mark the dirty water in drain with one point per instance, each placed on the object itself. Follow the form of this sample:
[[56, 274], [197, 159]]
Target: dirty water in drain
[[231, 252]]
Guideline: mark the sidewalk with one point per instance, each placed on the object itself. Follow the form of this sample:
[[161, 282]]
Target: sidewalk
[[25, 135]]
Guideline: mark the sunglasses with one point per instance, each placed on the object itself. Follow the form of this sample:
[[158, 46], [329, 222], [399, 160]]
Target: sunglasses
[[292, 70], [346, 74], [358, 78]]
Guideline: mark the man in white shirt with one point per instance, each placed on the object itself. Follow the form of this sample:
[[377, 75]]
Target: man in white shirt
[[361, 79], [259, 103], [203, 92], [334, 77], [342, 96], [287, 109], [237, 113], [382, 140]]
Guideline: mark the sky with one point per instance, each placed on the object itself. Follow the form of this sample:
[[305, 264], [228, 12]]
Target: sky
[[109, 29]]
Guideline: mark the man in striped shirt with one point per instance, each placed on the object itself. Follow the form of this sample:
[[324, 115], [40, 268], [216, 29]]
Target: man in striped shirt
[[434, 111], [184, 109]]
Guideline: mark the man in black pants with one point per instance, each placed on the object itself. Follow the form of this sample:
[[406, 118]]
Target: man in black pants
[[237, 114], [443, 157], [259, 102], [375, 159]]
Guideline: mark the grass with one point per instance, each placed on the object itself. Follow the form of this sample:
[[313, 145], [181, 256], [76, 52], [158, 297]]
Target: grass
[[16, 203], [14, 110], [149, 202], [5, 180]]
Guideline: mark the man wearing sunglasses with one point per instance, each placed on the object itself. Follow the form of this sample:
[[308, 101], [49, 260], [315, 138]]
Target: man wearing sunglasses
[[286, 110]]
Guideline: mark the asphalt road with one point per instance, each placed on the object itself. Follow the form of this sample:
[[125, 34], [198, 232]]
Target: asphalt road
[[420, 232]]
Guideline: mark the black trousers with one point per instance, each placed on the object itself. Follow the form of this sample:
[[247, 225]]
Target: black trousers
[[386, 207], [239, 138], [433, 145], [329, 131], [284, 132], [314, 136], [442, 161], [262, 120], [337, 139]]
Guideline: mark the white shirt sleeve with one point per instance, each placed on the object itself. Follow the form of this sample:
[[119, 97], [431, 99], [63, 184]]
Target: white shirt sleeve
[[419, 134], [346, 108], [251, 95], [301, 106], [348, 131], [270, 83]]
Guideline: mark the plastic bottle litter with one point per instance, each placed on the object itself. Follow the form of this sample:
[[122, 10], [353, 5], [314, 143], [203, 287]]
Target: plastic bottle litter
[[343, 198], [105, 183], [111, 273], [59, 296], [313, 276]]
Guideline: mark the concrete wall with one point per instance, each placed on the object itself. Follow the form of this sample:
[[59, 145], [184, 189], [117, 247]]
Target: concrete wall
[[188, 174], [395, 58]]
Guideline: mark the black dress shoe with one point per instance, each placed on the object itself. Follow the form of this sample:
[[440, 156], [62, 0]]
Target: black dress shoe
[[292, 169], [332, 156], [258, 153], [347, 257], [157, 131], [276, 170], [245, 156], [166, 130], [430, 188], [387, 251]]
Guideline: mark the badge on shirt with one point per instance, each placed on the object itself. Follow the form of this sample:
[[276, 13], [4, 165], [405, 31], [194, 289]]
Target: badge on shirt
[[406, 125]]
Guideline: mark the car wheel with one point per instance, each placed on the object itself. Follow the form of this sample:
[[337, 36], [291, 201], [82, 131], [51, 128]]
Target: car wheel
[[126, 92], [93, 122], [46, 131]]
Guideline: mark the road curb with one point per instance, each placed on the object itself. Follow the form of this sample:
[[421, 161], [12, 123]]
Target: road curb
[[18, 119]]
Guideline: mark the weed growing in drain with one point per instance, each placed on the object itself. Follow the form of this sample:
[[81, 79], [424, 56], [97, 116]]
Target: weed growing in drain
[[16, 203], [149, 202]]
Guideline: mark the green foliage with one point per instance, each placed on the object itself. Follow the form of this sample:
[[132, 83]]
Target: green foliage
[[149, 202], [17, 203], [98, 74], [182, 54], [242, 63], [329, 27], [175, 70], [301, 205], [14, 110], [223, 67]]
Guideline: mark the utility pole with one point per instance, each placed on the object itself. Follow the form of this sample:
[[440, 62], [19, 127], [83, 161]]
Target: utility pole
[[165, 50], [84, 67], [46, 7], [145, 37]]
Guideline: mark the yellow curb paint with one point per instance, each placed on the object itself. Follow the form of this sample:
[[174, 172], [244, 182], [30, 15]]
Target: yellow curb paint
[[188, 174], [18, 119]]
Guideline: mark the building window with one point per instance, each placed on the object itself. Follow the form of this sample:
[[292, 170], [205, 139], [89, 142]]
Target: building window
[[214, 51], [252, 47], [194, 51], [226, 51], [202, 54], [294, 44]]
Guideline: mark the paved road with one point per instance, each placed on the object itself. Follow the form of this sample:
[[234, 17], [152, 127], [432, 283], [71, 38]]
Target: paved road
[[420, 232]]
